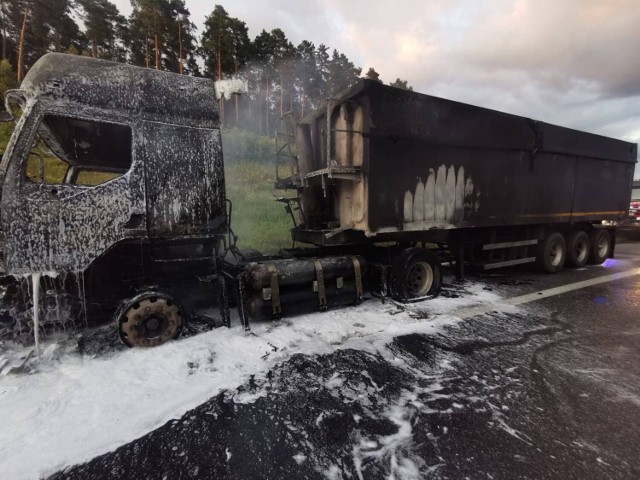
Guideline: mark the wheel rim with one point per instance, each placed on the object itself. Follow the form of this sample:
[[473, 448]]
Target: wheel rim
[[581, 251], [555, 253], [420, 279], [603, 247], [150, 321]]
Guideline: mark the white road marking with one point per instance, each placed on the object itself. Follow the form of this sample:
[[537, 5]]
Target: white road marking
[[532, 297]]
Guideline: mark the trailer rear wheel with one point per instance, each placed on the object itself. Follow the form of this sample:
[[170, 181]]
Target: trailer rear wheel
[[552, 253], [600, 240], [149, 319], [578, 249], [415, 273]]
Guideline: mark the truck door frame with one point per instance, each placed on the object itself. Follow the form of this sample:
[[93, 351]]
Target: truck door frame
[[62, 204]]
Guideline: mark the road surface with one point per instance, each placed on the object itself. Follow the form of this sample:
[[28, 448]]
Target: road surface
[[547, 386]]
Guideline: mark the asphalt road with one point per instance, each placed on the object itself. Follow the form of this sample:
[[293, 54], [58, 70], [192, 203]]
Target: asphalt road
[[550, 389]]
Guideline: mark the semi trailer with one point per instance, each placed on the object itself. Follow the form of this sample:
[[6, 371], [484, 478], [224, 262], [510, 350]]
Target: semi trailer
[[113, 200]]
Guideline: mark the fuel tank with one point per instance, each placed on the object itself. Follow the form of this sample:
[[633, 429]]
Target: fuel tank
[[302, 285]]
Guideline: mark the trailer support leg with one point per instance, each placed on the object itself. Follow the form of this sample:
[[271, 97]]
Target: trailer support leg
[[383, 290], [242, 303], [276, 307], [319, 284], [223, 301], [358, 279]]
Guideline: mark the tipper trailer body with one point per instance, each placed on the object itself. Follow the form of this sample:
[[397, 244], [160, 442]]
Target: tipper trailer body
[[380, 162], [113, 185]]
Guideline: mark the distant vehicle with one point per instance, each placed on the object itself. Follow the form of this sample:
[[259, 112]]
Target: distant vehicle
[[634, 207]]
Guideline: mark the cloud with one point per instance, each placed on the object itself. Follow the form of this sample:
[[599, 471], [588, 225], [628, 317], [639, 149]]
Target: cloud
[[559, 43], [571, 62]]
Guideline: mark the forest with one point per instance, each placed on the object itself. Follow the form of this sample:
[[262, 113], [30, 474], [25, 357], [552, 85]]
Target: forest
[[281, 77]]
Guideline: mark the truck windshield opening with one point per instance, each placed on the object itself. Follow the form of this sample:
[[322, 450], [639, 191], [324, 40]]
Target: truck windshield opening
[[78, 151]]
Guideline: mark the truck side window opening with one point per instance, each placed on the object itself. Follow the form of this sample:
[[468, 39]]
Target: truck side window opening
[[635, 194], [78, 152]]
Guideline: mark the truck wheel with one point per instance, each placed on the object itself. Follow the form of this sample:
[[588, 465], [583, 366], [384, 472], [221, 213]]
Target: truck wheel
[[149, 319], [578, 249], [600, 240], [552, 253], [415, 273]]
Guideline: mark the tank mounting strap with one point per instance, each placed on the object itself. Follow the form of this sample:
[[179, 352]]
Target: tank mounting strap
[[275, 291], [241, 281], [322, 297], [358, 277]]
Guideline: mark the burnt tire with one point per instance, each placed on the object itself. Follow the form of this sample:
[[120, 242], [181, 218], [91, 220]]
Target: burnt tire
[[578, 249], [552, 253], [149, 319], [415, 273], [601, 244]]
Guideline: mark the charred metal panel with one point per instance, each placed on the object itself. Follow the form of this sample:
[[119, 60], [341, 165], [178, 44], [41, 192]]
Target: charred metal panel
[[132, 265], [431, 163], [571, 142], [602, 186], [174, 127], [65, 227], [442, 187], [142, 92], [410, 116], [67, 230], [184, 179]]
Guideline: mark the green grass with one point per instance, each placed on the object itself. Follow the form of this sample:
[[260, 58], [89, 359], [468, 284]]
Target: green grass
[[259, 221], [53, 168], [6, 128]]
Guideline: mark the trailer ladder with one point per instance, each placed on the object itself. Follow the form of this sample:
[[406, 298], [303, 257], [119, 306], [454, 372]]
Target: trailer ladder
[[286, 155]]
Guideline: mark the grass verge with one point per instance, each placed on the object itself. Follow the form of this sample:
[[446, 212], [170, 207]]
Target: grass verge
[[259, 221]]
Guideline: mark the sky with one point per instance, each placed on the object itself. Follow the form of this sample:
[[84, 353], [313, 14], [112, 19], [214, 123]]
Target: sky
[[570, 62]]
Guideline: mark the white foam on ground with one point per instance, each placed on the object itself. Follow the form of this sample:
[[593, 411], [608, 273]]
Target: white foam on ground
[[73, 408], [394, 450]]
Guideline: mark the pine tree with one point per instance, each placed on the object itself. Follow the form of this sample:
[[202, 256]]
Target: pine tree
[[154, 38], [307, 77], [322, 66], [8, 78], [373, 75], [103, 28], [273, 64], [401, 84], [342, 73], [180, 40], [217, 44], [48, 27], [149, 23], [4, 26]]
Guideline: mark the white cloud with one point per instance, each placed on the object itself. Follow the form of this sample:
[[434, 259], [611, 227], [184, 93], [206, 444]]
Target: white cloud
[[572, 62]]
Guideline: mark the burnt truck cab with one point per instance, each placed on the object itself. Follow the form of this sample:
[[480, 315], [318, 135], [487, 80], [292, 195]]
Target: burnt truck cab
[[114, 173]]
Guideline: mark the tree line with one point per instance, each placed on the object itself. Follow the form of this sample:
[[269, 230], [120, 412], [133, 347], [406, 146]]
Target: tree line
[[281, 76]]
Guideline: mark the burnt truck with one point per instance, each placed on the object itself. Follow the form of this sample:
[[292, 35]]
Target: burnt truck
[[113, 199]]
